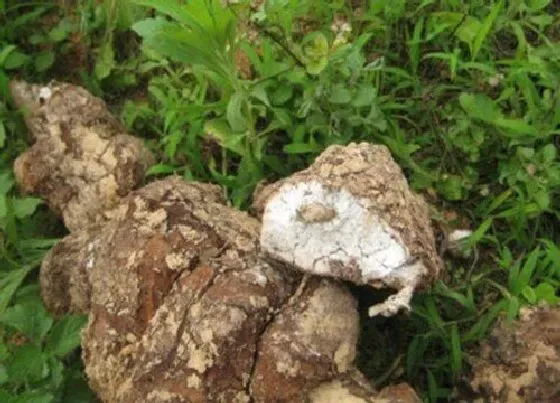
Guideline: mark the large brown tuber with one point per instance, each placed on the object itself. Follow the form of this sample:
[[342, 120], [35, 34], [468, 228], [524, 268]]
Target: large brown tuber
[[182, 308], [182, 305], [351, 215], [521, 360], [81, 162]]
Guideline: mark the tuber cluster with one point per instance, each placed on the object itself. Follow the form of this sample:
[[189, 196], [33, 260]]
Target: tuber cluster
[[190, 300]]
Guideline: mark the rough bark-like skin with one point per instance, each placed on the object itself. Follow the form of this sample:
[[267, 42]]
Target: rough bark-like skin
[[353, 388], [351, 215], [82, 162], [521, 360], [298, 345], [183, 308], [64, 277]]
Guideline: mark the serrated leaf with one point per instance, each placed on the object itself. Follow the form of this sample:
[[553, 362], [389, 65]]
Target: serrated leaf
[[65, 335], [30, 319]]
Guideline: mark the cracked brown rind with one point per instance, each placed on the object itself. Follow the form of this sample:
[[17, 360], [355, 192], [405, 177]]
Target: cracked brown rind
[[520, 362], [82, 161], [369, 173], [183, 308]]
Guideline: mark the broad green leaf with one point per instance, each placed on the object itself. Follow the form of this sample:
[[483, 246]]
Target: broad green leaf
[[27, 364], [480, 106], [282, 94], [364, 96], [15, 60], [9, 283], [259, 92], [340, 95], [65, 335], [537, 5], [548, 153], [44, 61], [105, 61], [61, 31], [235, 112], [6, 182], [546, 292], [468, 31], [26, 207], [5, 52], [315, 50], [30, 319], [529, 294], [515, 126]]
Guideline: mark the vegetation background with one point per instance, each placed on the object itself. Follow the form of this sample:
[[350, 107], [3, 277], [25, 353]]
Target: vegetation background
[[466, 95]]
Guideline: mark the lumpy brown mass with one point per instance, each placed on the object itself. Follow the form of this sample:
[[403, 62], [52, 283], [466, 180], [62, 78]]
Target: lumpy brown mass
[[82, 161]]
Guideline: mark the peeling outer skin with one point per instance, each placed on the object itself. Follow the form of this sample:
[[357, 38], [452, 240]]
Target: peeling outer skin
[[180, 302], [351, 215], [521, 360], [81, 162]]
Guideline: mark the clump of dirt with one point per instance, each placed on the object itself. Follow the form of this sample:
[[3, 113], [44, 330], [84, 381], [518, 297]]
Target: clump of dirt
[[520, 362], [82, 161]]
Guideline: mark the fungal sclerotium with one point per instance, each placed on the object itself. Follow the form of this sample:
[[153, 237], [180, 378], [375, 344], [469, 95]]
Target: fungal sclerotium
[[351, 215]]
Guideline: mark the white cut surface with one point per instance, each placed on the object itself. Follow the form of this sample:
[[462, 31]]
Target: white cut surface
[[352, 236]]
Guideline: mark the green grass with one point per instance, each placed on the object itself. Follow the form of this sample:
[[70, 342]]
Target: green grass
[[466, 94]]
